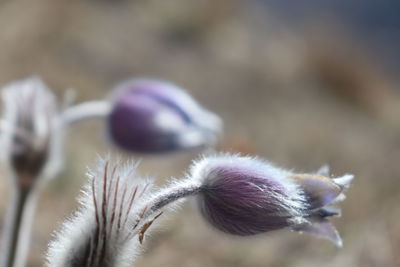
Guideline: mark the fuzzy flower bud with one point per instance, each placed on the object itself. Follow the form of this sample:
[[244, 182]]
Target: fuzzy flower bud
[[109, 226], [156, 116], [30, 130], [246, 196]]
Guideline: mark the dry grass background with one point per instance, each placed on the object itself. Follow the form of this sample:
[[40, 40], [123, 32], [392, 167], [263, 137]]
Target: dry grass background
[[300, 99]]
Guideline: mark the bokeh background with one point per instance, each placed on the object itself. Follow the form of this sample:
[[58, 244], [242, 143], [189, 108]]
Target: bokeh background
[[301, 83]]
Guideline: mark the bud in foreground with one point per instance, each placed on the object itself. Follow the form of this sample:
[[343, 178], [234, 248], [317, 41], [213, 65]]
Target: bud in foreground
[[238, 195], [155, 116], [246, 196], [105, 231]]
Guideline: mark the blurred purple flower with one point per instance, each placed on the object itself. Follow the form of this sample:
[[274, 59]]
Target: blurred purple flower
[[245, 196], [156, 116]]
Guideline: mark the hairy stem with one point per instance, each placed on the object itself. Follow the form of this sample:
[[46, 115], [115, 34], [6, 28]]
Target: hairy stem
[[165, 197]]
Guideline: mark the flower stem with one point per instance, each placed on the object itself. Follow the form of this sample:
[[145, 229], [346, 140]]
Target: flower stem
[[165, 197], [16, 232], [86, 110]]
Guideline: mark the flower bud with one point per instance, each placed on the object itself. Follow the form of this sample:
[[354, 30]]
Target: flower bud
[[155, 116], [103, 231], [29, 129], [245, 196]]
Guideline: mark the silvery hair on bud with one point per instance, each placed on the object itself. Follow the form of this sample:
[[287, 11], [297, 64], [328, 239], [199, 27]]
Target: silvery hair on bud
[[246, 196], [102, 232], [240, 192], [31, 134]]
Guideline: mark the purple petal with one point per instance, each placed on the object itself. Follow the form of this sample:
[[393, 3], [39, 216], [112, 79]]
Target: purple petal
[[324, 229], [319, 190]]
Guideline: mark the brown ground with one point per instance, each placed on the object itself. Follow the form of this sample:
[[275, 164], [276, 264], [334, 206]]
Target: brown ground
[[298, 99]]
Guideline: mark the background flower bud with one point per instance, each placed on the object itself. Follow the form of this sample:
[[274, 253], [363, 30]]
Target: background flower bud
[[246, 196], [157, 116], [29, 129], [31, 148]]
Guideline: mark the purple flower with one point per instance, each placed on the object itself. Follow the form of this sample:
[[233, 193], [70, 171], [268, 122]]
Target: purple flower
[[246, 196], [156, 116]]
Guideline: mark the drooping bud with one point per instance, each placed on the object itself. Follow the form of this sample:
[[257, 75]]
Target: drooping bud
[[156, 116], [30, 130], [246, 196]]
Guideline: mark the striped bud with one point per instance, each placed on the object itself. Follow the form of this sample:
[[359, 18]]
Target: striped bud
[[246, 196], [155, 116]]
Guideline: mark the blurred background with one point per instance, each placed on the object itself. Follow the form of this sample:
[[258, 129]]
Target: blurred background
[[301, 83]]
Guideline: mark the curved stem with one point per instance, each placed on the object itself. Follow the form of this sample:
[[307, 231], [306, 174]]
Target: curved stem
[[165, 197], [86, 110]]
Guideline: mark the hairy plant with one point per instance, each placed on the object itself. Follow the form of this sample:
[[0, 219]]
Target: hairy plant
[[103, 232], [237, 195], [33, 128]]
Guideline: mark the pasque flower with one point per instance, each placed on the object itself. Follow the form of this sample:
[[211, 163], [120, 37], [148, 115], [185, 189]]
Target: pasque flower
[[151, 116], [157, 116], [246, 196], [117, 209], [238, 195]]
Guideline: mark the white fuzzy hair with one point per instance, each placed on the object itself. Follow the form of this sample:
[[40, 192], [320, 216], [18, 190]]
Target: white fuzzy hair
[[294, 202], [102, 231], [30, 99]]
